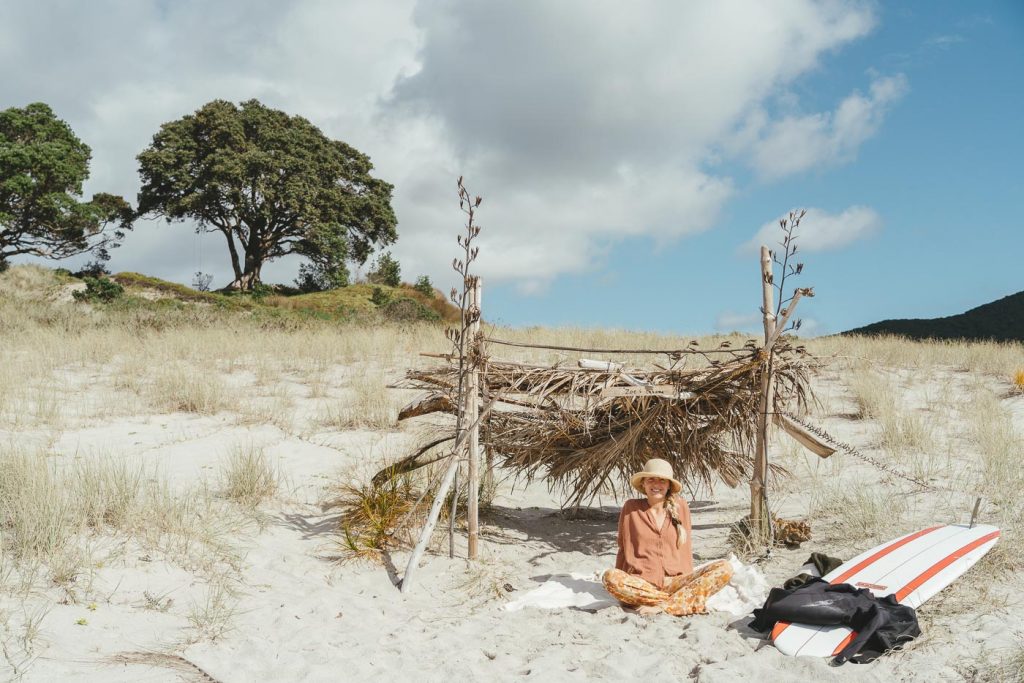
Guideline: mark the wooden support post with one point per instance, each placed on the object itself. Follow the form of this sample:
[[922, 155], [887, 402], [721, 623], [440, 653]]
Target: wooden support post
[[452, 513], [760, 520], [472, 410]]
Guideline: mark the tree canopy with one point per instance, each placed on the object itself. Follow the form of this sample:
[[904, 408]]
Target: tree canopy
[[43, 165], [272, 184]]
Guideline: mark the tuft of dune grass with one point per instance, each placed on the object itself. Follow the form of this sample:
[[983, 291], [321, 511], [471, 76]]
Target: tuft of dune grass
[[873, 395], [247, 477], [47, 511], [369, 405], [178, 389]]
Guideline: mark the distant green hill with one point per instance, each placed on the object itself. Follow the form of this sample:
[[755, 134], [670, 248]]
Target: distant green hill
[[1001, 320]]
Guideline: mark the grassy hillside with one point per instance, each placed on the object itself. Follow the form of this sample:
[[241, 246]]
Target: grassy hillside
[[1001, 320], [153, 302], [360, 301]]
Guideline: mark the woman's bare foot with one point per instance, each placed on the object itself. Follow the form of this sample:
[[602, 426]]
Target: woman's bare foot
[[649, 610]]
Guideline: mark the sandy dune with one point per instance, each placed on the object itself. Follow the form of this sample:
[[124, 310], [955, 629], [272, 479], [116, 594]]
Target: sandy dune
[[254, 595]]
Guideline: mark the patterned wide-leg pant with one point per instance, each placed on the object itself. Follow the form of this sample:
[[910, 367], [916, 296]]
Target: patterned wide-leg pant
[[683, 595]]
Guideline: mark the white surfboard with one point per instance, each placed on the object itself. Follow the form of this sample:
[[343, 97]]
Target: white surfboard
[[913, 567]]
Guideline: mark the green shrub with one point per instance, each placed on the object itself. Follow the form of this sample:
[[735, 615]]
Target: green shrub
[[380, 297], [407, 309], [385, 271], [317, 277], [261, 291], [98, 290], [424, 286], [95, 268]]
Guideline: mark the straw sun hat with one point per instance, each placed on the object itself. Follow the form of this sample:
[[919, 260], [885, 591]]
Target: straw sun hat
[[655, 467]]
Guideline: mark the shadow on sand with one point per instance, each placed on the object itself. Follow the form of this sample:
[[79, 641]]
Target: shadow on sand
[[588, 530]]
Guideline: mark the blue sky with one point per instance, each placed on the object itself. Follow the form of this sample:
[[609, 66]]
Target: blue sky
[[944, 172], [629, 156]]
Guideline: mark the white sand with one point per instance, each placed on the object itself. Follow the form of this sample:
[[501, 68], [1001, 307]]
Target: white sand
[[299, 617]]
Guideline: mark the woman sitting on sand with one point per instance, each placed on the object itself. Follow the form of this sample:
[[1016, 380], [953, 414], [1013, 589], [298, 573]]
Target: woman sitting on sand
[[654, 566]]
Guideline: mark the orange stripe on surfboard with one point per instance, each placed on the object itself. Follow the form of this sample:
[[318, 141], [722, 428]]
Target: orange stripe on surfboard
[[928, 574], [846, 641], [781, 626], [942, 564], [882, 553]]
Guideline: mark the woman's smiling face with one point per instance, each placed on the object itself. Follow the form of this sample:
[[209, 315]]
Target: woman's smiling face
[[656, 488]]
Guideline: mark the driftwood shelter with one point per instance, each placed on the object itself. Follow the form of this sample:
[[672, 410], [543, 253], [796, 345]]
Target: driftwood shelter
[[585, 427]]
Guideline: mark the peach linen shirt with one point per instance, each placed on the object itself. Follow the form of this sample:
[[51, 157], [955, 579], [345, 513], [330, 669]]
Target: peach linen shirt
[[649, 552]]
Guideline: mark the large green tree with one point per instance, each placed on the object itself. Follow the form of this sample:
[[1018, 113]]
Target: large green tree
[[271, 183], [43, 165]]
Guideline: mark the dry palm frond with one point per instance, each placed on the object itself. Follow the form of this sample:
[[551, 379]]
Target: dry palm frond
[[584, 430], [187, 669]]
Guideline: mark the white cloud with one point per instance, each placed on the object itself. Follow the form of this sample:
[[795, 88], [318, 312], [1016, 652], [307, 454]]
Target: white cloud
[[809, 327], [581, 122], [820, 230], [944, 42], [797, 143], [730, 321]]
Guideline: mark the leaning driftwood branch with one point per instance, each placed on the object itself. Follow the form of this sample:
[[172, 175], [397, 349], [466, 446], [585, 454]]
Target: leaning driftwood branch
[[442, 493], [411, 462], [432, 403]]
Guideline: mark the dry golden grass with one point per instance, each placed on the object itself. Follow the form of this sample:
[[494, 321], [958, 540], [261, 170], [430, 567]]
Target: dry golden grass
[[109, 491], [991, 358], [369, 404], [29, 282], [1013, 666], [19, 635], [861, 512], [906, 432], [213, 617], [191, 390], [50, 512], [873, 394], [277, 409], [247, 477], [38, 511]]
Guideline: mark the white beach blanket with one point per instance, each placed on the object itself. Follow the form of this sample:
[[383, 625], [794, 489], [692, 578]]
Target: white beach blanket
[[746, 590]]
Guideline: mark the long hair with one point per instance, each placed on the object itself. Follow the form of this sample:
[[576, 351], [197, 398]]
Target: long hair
[[673, 513]]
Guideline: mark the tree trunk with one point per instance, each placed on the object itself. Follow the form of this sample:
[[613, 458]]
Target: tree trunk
[[234, 258], [248, 278]]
